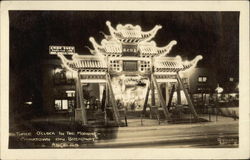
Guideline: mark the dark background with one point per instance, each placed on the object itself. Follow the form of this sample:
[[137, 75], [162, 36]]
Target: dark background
[[214, 35]]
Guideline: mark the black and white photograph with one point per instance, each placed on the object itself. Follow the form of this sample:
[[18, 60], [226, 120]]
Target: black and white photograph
[[124, 79]]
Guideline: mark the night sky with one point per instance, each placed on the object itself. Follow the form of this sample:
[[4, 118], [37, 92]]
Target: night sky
[[214, 35]]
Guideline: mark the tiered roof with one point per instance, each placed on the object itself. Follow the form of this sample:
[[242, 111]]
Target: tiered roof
[[128, 34], [98, 64], [84, 63], [115, 45], [106, 48], [149, 49], [174, 64], [131, 34]]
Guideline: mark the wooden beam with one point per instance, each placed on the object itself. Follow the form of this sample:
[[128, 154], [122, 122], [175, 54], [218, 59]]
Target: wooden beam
[[103, 100], [145, 101], [82, 105], [77, 98], [167, 92], [152, 93], [143, 113], [107, 95], [178, 94], [190, 103], [171, 97], [106, 103], [113, 102], [162, 101], [77, 93]]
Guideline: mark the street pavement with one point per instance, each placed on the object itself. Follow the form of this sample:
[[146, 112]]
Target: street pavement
[[205, 134], [219, 132]]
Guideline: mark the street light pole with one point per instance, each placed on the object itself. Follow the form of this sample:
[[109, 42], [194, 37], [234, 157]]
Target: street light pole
[[218, 90], [216, 107]]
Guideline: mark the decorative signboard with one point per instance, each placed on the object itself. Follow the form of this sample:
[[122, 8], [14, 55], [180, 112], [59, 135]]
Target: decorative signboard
[[65, 50], [130, 66]]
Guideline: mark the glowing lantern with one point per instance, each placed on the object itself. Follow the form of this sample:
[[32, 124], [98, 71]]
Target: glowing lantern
[[219, 89]]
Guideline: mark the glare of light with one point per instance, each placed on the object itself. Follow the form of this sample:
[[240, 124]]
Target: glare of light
[[183, 97], [231, 79], [70, 91], [58, 70], [188, 72], [194, 63], [74, 74], [178, 58], [237, 86], [128, 94], [185, 62], [233, 94], [29, 103], [69, 75], [219, 89]]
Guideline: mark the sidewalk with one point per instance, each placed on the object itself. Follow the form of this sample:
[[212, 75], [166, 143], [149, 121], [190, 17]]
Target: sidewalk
[[145, 122], [152, 124], [180, 135]]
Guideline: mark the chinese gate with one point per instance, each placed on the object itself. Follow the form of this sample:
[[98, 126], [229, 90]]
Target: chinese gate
[[130, 54]]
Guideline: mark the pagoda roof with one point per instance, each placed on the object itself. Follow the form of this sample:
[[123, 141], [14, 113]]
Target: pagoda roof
[[150, 49], [114, 48], [98, 64], [174, 64], [190, 64], [84, 62], [110, 47], [131, 34]]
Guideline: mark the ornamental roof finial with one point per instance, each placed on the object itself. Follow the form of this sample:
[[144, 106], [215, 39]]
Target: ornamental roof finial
[[191, 64], [108, 37], [163, 51], [91, 50], [108, 23], [95, 45], [129, 33]]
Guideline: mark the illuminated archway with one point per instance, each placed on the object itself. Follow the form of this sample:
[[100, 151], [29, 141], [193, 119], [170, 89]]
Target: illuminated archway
[[128, 55]]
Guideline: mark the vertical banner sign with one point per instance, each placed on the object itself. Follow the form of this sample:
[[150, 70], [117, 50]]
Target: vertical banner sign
[[65, 50]]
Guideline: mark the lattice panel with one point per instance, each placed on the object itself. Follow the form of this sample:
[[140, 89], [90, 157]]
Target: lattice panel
[[165, 76], [93, 76], [144, 66], [115, 65]]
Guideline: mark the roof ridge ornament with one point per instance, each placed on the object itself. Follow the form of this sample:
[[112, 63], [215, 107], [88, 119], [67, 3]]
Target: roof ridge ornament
[[151, 34], [94, 43], [111, 29], [125, 32], [106, 47], [191, 64], [128, 42], [92, 51], [66, 61], [163, 51], [108, 37]]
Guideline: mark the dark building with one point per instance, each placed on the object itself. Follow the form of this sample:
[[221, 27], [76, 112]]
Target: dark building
[[202, 83], [58, 87]]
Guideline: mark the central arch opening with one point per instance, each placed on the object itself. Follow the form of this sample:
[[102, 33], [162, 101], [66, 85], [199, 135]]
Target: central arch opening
[[130, 91]]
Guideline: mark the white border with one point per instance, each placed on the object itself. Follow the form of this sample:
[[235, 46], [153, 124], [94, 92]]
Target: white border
[[241, 152]]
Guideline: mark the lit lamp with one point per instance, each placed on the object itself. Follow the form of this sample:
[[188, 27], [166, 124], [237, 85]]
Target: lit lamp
[[58, 70], [218, 91], [237, 87]]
